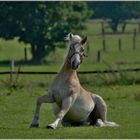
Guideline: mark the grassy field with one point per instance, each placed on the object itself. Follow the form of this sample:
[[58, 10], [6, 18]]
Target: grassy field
[[17, 112], [121, 91], [12, 50]]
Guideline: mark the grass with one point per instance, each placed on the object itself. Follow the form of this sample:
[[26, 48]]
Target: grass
[[111, 59], [120, 91], [12, 49], [17, 111]]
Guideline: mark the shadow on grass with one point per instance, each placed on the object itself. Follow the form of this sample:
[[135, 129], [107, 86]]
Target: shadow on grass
[[22, 62]]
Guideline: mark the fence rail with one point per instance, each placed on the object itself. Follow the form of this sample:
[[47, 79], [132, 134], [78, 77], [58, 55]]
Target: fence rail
[[80, 72]]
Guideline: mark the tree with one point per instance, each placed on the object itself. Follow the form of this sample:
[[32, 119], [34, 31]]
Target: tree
[[117, 11], [42, 24]]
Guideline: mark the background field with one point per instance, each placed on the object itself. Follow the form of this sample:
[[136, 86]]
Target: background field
[[13, 50], [121, 91]]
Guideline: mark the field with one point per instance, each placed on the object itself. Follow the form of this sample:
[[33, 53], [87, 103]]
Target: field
[[17, 112], [112, 56], [121, 91]]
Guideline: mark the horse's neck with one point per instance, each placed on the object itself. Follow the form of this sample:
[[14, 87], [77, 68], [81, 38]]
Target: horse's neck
[[67, 71]]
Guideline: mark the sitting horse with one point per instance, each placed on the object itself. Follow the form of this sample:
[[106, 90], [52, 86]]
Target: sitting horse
[[73, 105]]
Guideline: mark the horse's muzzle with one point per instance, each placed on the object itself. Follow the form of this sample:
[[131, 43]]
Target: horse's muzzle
[[75, 65]]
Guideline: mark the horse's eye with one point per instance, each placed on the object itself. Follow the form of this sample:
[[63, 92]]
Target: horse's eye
[[71, 47]]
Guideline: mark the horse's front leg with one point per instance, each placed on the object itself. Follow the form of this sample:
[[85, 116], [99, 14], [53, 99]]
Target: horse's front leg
[[43, 99], [66, 104]]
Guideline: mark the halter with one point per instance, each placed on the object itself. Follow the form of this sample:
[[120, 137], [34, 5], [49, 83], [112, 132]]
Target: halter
[[76, 53], [81, 55]]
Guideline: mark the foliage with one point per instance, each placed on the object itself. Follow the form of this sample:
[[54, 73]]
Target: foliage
[[10, 50], [41, 24], [133, 8], [117, 11]]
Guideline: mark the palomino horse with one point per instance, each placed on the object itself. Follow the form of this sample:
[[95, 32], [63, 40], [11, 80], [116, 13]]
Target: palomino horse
[[73, 105]]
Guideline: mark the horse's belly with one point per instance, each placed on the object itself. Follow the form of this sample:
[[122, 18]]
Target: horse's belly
[[80, 110]]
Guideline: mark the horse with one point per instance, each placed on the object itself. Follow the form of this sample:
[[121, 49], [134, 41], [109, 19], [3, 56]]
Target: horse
[[72, 104]]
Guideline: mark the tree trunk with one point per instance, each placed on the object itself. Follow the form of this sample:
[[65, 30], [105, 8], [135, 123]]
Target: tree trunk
[[114, 25], [38, 53], [34, 53], [123, 27]]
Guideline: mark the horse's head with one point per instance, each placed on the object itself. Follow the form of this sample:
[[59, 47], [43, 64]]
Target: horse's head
[[76, 50]]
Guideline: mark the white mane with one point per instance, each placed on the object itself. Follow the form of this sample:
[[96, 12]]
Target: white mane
[[72, 39]]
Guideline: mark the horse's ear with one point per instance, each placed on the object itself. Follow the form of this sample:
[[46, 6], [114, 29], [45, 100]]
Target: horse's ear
[[70, 36], [84, 40]]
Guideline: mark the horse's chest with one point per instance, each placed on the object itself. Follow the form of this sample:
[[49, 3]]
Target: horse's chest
[[62, 89]]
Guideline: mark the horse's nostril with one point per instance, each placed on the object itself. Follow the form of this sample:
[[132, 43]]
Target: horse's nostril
[[74, 65]]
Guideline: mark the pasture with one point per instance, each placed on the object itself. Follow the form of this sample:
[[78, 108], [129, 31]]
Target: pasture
[[17, 111], [120, 91], [93, 31]]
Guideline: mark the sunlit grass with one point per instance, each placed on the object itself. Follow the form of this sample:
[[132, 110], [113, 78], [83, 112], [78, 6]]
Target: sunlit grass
[[17, 111], [13, 50]]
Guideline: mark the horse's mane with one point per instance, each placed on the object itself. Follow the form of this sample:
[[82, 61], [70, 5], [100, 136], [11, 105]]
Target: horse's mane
[[70, 39], [73, 38]]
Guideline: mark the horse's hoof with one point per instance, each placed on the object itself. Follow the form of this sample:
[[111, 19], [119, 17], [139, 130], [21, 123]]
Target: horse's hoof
[[34, 125], [99, 123], [51, 126]]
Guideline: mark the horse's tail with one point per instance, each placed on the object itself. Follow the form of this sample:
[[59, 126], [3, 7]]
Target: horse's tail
[[106, 123], [111, 124]]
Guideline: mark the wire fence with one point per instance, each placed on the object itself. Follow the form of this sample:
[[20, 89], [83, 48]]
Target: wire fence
[[79, 72]]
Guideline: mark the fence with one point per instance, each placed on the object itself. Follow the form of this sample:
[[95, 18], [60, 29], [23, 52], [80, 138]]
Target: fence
[[103, 34], [17, 73], [120, 45], [79, 72], [12, 65]]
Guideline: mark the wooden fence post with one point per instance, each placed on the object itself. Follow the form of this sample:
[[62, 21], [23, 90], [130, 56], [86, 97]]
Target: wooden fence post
[[134, 43], [139, 27], [134, 39], [104, 45], [135, 33], [98, 57], [11, 70], [88, 48], [102, 27], [25, 54], [17, 75], [120, 44]]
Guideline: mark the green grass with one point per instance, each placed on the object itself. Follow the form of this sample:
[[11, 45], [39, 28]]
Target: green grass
[[17, 111], [12, 49], [120, 91]]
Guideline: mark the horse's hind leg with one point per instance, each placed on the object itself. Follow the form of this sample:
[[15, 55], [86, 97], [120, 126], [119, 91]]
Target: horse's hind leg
[[43, 99], [100, 111]]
